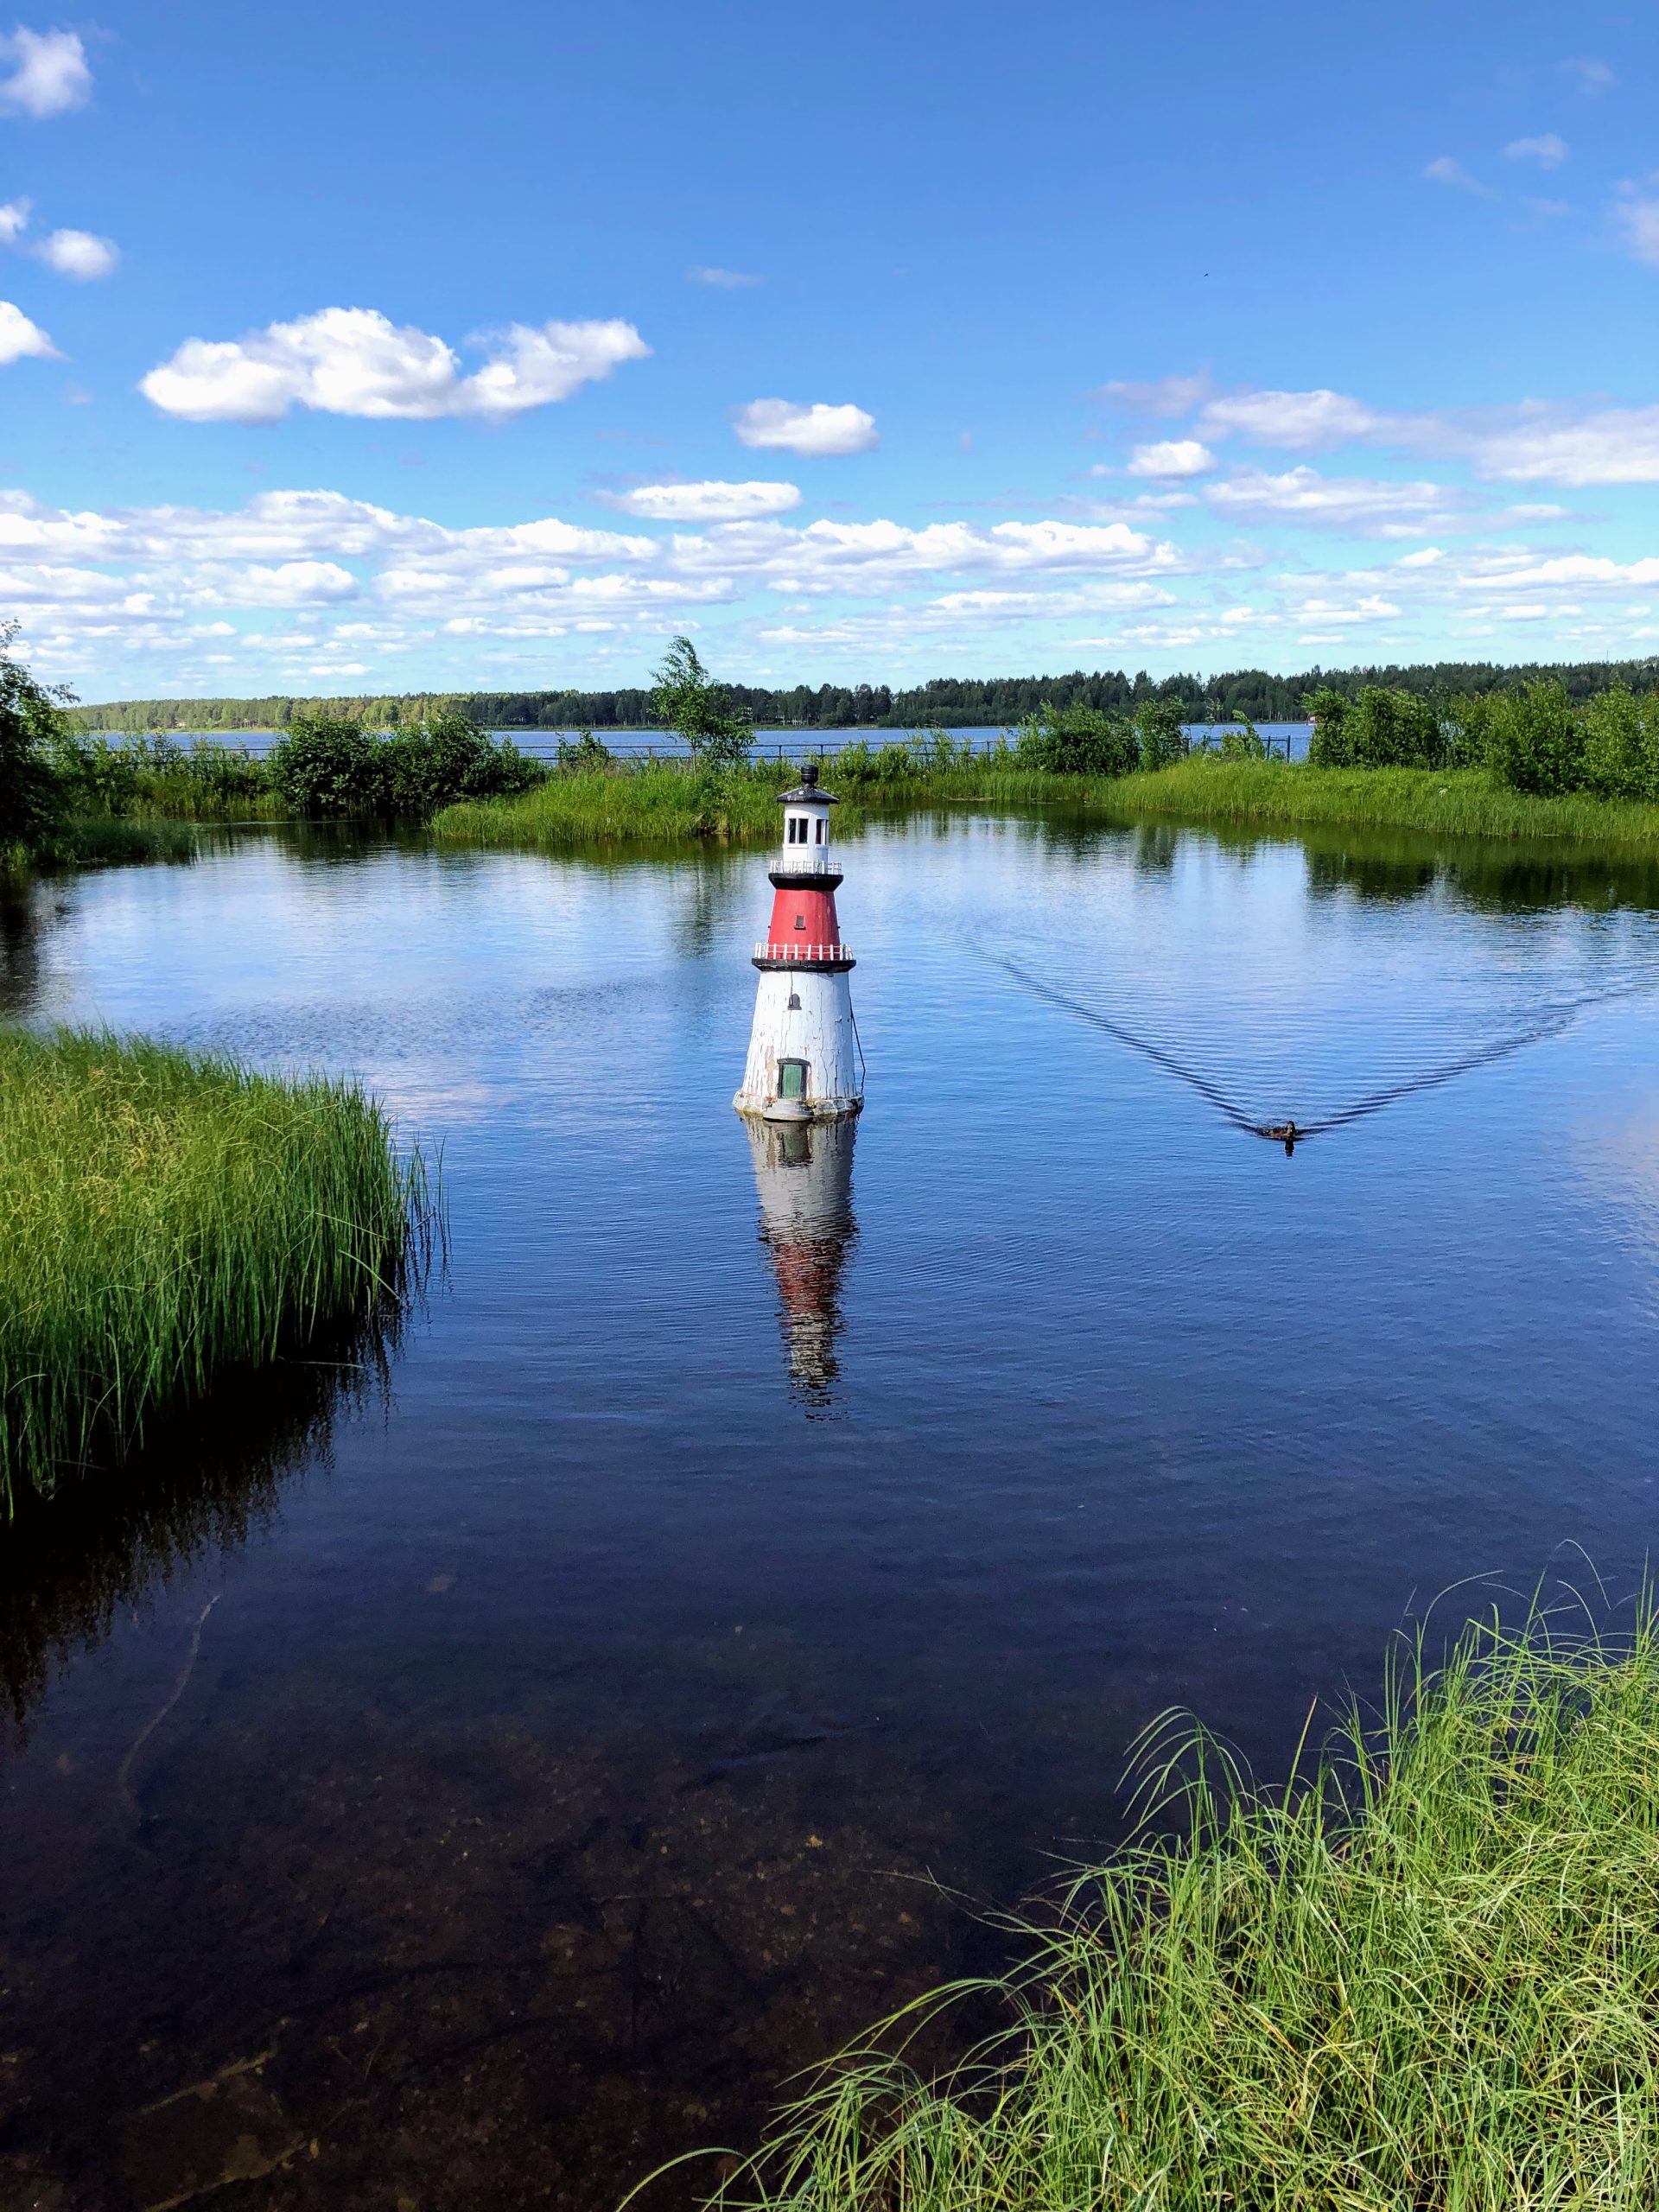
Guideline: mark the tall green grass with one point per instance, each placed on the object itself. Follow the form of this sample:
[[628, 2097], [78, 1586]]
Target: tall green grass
[[1424, 1978], [1450, 801], [653, 803], [163, 1216], [87, 840]]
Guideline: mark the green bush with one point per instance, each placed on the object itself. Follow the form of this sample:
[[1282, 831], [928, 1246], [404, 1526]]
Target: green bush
[[31, 721], [1162, 733], [1077, 740], [1621, 745], [327, 768], [447, 757], [1535, 739], [330, 769], [1378, 729]]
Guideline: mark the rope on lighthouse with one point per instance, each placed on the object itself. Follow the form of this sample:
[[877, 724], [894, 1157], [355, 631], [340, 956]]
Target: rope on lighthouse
[[859, 1041]]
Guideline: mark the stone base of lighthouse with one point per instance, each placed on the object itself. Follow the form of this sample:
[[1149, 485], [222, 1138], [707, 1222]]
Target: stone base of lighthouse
[[804, 1062]]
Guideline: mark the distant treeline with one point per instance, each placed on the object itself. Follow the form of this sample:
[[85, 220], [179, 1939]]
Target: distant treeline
[[949, 703]]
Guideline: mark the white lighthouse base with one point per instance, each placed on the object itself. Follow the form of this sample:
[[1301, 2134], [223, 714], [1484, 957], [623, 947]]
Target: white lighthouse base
[[804, 1062]]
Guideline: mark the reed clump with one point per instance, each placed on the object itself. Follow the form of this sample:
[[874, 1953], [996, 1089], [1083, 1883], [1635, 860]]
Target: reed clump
[[1423, 1978], [1450, 801], [163, 1216], [648, 803]]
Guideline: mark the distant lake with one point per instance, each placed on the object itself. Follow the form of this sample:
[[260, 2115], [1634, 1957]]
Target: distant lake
[[789, 743], [736, 1537]]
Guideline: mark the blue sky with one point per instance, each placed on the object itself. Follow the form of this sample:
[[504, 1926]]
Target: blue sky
[[357, 348]]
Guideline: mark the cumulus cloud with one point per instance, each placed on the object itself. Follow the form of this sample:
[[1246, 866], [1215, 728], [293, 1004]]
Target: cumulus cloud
[[1303, 421], [724, 280], [1445, 170], [19, 336], [355, 361], [293, 583], [46, 73], [1172, 457], [704, 502], [81, 254], [815, 429], [1547, 150]]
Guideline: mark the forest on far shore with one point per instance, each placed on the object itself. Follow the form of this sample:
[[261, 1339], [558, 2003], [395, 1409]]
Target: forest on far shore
[[948, 702]]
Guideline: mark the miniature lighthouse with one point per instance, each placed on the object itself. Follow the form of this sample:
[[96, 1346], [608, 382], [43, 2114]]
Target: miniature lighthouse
[[804, 1063]]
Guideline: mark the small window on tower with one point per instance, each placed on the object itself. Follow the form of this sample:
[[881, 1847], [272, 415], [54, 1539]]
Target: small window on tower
[[800, 921], [819, 839]]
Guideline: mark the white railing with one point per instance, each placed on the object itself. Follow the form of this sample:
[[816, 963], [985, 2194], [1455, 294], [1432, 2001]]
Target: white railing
[[808, 860], [793, 949]]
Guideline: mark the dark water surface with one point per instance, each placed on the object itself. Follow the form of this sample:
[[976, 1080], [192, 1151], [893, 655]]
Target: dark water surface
[[467, 1777]]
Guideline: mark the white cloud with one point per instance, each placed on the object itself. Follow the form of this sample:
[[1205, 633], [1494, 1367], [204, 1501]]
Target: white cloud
[[1445, 170], [1166, 397], [1637, 215], [817, 429], [14, 221], [294, 583], [1589, 76], [1534, 443], [80, 254], [724, 280], [19, 336], [1304, 421], [1172, 457], [1547, 150], [355, 361], [48, 73], [705, 502], [1363, 504]]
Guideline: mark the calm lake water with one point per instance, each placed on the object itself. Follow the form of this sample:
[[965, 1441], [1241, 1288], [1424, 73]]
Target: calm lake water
[[471, 1778]]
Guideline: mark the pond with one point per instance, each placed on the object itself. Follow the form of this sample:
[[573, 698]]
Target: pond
[[474, 1767]]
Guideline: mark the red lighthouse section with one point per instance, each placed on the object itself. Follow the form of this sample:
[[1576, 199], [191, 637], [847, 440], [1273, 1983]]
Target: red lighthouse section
[[803, 925]]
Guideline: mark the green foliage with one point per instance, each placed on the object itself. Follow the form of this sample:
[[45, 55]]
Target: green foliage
[[156, 776], [446, 758], [689, 701], [328, 769], [1158, 726], [163, 1216], [1534, 740], [1621, 745], [1244, 744], [1420, 1976], [1077, 740], [583, 752], [31, 721], [1380, 728]]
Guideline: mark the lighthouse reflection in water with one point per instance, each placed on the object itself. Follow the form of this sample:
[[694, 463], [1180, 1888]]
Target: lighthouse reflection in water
[[804, 1172]]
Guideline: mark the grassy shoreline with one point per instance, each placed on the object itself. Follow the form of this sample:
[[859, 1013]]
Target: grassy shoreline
[[163, 1216], [667, 807], [1425, 1975]]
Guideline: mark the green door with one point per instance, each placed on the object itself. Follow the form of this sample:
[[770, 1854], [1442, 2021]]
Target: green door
[[791, 1078]]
